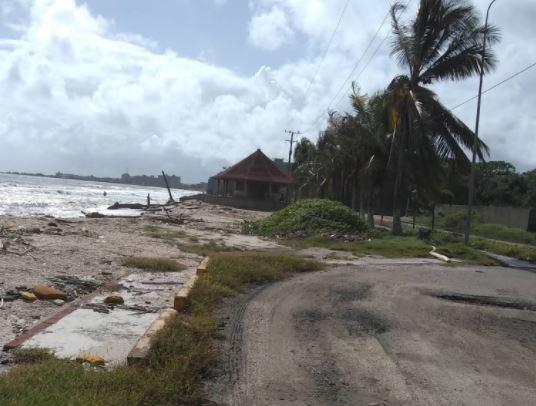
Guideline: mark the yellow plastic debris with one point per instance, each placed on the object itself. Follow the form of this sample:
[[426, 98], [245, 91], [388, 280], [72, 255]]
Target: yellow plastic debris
[[47, 292], [29, 296], [91, 359], [114, 298]]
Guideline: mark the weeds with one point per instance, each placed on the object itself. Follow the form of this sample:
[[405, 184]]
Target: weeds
[[154, 264], [163, 233], [205, 250], [178, 360]]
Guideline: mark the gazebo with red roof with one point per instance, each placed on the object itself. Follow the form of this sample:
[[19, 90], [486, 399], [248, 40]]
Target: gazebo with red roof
[[256, 177]]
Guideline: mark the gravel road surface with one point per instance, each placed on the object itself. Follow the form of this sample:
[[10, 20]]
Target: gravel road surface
[[396, 334]]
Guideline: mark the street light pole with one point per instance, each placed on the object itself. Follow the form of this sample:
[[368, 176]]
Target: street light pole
[[475, 142]]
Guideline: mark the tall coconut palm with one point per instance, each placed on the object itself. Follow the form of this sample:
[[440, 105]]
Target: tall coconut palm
[[443, 42], [370, 127]]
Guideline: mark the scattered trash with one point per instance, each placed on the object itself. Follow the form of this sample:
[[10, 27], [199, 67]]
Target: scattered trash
[[74, 286], [99, 308], [28, 296], [114, 298], [439, 256], [90, 359], [6, 358], [9, 296], [44, 292], [59, 302]]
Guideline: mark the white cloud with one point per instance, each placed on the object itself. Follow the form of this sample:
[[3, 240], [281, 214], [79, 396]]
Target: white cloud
[[78, 96], [269, 29]]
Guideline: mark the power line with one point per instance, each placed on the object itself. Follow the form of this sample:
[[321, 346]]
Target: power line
[[532, 65], [376, 50], [344, 84], [352, 71], [327, 48]]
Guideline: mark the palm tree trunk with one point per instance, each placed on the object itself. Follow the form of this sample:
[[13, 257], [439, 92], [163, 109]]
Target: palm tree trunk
[[361, 204], [397, 224], [370, 216], [354, 196]]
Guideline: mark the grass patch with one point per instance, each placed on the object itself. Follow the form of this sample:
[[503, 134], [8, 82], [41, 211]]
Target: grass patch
[[205, 250], [32, 355], [163, 233], [456, 222], [154, 264], [309, 217], [522, 252], [409, 246], [386, 245], [179, 359], [503, 233]]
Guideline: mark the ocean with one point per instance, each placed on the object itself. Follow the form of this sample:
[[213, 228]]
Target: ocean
[[22, 195]]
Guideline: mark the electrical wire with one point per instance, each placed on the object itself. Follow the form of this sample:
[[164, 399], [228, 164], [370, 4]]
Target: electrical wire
[[343, 12]]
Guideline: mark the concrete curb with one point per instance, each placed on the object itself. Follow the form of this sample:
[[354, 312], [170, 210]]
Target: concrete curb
[[202, 268], [181, 296], [140, 351]]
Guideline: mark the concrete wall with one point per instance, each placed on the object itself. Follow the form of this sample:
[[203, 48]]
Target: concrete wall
[[508, 216], [237, 202]]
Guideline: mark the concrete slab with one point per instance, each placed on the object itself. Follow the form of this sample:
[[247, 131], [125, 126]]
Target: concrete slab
[[112, 335]]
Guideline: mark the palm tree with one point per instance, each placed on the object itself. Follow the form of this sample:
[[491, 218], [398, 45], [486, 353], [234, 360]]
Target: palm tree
[[443, 42], [370, 129]]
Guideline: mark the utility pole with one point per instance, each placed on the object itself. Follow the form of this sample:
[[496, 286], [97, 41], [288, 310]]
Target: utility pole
[[291, 141], [475, 143]]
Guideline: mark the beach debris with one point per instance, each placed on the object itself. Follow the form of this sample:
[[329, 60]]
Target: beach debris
[[108, 307], [90, 359], [6, 358], [45, 292], [135, 206], [439, 256], [96, 307], [93, 215], [114, 298], [74, 286], [12, 241], [58, 302], [28, 296], [9, 296]]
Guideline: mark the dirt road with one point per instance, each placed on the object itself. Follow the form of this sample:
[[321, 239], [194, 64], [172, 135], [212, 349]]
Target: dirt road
[[380, 335]]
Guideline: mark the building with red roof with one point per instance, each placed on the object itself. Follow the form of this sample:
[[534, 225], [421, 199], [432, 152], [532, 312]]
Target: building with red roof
[[255, 177]]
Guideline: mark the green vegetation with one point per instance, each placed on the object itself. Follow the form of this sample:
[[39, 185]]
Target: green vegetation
[[402, 143], [309, 217], [401, 246], [504, 233], [178, 360], [32, 355], [154, 264], [206, 249], [456, 222], [164, 233], [522, 252]]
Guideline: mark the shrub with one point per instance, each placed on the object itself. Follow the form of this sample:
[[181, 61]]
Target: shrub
[[310, 217], [457, 221]]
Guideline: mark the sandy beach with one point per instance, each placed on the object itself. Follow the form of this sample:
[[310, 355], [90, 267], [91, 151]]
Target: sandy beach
[[88, 252]]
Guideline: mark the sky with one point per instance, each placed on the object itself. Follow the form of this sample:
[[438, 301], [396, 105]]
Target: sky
[[190, 86]]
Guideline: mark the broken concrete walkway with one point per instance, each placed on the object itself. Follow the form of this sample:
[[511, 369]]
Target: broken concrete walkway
[[111, 335]]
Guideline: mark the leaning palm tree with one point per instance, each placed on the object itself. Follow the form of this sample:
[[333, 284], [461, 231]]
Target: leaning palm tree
[[443, 42]]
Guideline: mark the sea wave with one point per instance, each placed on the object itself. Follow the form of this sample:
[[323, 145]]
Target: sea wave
[[22, 195]]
